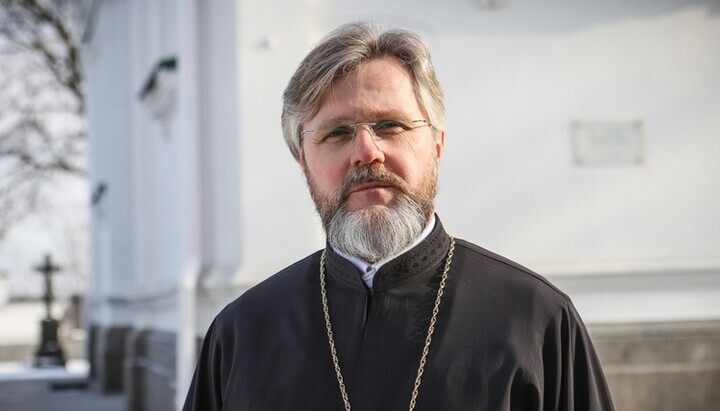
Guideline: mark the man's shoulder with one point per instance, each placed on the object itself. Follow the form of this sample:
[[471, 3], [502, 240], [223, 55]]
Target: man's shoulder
[[276, 291], [493, 269]]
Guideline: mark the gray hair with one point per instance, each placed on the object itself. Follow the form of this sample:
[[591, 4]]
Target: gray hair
[[344, 51]]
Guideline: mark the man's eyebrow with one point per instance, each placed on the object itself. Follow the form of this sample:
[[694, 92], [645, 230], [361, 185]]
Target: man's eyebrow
[[376, 115], [386, 114]]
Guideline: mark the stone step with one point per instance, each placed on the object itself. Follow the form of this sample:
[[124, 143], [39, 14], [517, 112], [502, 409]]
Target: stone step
[[664, 366]]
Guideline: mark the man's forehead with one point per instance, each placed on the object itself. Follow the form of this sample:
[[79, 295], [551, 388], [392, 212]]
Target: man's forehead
[[381, 88], [375, 72]]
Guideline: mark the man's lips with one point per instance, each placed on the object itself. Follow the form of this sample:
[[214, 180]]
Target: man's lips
[[369, 186]]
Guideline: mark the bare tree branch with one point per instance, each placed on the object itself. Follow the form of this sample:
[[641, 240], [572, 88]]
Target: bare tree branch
[[41, 104]]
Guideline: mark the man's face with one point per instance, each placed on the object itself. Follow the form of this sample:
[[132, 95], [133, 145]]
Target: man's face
[[366, 173]]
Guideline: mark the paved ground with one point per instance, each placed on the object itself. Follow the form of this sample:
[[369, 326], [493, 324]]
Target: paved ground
[[24, 388]]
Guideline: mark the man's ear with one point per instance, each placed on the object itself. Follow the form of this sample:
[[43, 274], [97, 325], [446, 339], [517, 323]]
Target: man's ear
[[299, 155], [440, 144]]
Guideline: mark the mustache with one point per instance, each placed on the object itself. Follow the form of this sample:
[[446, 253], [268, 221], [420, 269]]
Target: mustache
[[374, 173]]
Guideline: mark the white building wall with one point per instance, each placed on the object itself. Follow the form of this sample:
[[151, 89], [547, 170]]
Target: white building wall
[[106, 63], [147, 229], [529, 82], [166, 178], [220, 118], [629, 243], [279, 223]]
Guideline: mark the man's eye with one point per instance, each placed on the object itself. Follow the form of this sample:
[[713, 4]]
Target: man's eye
[[340, 132], [388, 128]]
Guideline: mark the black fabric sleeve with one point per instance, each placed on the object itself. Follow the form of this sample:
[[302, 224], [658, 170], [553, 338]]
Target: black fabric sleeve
[[573, 376], [205, 393]]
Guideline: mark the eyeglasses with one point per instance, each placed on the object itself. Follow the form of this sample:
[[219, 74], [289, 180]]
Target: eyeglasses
[[338, 135]]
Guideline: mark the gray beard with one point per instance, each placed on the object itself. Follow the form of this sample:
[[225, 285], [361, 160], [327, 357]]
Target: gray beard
[[373, 236]]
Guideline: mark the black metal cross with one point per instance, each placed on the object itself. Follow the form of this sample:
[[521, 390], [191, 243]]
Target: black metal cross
[[50, 353], [47, 269]]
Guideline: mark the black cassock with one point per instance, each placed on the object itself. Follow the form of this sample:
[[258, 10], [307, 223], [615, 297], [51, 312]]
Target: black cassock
[[505, 339]]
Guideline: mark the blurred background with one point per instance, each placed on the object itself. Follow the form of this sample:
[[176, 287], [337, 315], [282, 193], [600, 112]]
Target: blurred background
[[141, 149]]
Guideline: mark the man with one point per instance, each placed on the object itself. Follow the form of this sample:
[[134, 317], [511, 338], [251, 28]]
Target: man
[[394, 313]]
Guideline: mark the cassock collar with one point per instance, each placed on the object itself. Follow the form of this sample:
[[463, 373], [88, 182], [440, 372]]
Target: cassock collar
[[369, 270], [408, 265]]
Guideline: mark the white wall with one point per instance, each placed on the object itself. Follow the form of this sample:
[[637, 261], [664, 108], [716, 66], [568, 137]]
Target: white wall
[[146, 229], [105, 60], [511, 103]]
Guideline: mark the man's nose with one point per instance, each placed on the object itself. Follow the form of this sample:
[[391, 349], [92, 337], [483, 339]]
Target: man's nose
[[365, 149]]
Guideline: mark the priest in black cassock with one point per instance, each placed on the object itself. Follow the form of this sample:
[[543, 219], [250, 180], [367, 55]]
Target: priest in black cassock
[[394, 313]]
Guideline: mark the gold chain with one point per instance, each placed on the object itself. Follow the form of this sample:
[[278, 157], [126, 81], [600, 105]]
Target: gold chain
[[428, 338]]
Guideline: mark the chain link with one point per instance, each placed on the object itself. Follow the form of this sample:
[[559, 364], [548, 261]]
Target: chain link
[[331, 340], [428, 338]]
